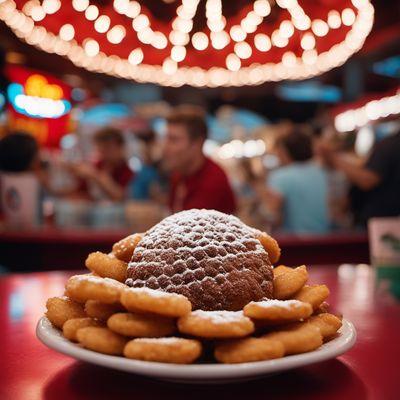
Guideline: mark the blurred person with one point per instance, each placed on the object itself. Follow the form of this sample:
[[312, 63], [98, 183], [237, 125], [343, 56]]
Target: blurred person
[[376, 183], [24, 178], [149, 182], [196, 180], [338, 184], [19, 152], [297, 191], [108, 177]]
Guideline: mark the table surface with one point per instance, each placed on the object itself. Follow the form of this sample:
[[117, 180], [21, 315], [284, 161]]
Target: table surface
[[29, 370]]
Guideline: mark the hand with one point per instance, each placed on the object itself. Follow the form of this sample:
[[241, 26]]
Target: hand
[[84, 170]]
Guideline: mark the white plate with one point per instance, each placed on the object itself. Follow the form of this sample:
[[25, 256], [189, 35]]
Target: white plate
[[198, 373]]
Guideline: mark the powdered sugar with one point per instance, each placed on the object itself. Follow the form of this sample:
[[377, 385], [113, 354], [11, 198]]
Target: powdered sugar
[[155, 293], [277, 303], [211, 258], [220, 317]]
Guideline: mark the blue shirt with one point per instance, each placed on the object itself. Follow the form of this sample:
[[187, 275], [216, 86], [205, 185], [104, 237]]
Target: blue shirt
[[304, 189], [139, 188]]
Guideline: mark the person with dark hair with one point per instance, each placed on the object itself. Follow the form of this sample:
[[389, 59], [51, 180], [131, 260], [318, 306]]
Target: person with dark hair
[[19, 152], [375, 190], [109, 176], [297, 191], [196, 180]]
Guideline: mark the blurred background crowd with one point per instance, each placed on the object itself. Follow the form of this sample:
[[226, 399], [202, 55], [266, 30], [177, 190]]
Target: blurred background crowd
[[287, 116]]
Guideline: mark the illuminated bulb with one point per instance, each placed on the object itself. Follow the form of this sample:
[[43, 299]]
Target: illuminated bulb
[[219, 40], [159, 40], [140, 22], [289, 59], [80, 5], [136, 56], [169, 66], [116, 34], [200, 41], [178, 53], [51, 6], [237, 33], [133, 9], [146, 35], [121, 6], [182, 25], [334, 20], [37, 13], [248, 26], [102, 24], [91, 13], [262, 42], [302, 23], [67, 32], [254, 18], [348, 17], [278, 40], [262, 7], [91, 47], [309, 57], [216, 26], [243, 50], [286, 29], [319, 27], [286, 3], [233, 62], [308, 41], [178, 38]]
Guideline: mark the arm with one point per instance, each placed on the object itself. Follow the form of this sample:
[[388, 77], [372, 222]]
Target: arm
[[273, 200], [361, 176], [101, 178], [113, 190]]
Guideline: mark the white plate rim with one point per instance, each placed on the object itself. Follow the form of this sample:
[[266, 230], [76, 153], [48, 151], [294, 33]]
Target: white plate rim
[[52, 338]]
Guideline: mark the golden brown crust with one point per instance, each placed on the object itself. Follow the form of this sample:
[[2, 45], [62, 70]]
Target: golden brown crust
[[313, 294], [101, 311], [141, 325], [168, 350], [270, 245], [278, 311], [248, 350], [61, 309], [216, 324], [290, 282], [72, 325], [300, 338], [155, 301], [107, 266], [101, 340], [88, 287], [124, 249]]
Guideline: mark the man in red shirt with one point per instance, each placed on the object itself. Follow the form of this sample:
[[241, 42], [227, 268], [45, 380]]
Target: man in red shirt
[[196, 181]]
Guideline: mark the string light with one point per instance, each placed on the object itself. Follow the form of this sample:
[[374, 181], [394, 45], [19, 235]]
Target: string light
[[371, 111], [91, 13], [67, 32], [262, 42], [136, 56], [200, 41], [102, 24], [236, 71], [116, 34]]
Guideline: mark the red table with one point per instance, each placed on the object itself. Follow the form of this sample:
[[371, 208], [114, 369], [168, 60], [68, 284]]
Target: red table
[[30, 371]]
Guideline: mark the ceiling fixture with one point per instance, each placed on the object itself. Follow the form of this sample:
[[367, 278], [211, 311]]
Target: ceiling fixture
[[224, 47]]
